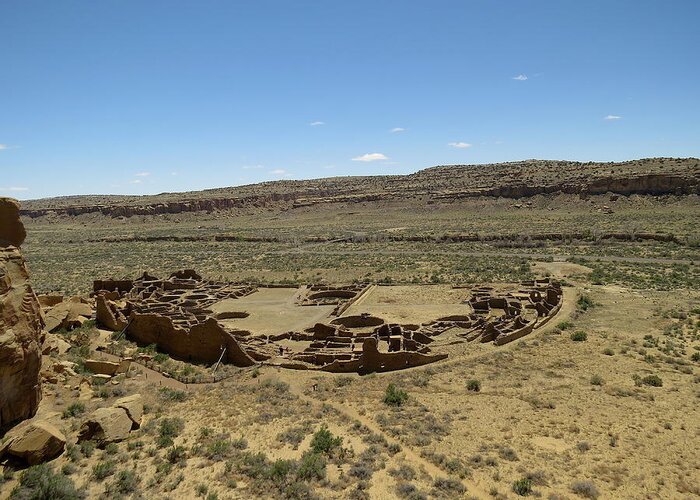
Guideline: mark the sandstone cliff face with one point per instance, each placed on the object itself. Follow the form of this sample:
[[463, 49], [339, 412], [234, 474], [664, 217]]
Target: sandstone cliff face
[[654, 177], [20, 325]]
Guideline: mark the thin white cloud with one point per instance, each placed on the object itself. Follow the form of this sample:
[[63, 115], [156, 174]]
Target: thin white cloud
[[136, 181], [280, 172], [252, 167], [14, 189], [317, 123], [142, 174], [371, 157], [520, 77], [397, 129], [174, 174], [459, 145], [4, 146], [612, 117]]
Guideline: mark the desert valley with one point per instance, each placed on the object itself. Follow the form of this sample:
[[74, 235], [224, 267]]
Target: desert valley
[[467, 331]]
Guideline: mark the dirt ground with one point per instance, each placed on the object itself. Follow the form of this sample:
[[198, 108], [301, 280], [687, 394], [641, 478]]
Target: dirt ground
[[574, 419], [271, 310]]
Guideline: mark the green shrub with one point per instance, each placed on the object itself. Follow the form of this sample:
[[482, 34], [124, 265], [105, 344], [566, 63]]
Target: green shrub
[[311, 466], [172, 394], [653, 381], [522, 487], [253, 465], [161, 357], [68, 469], [579, 336], [103, 469], [86, 448], [565, 325], [474, 385], [597, 380], [201, 489], [324, 441], [298, 490], [40, 482], [176, 454], [240, 444], [112, 448], [218, 449], [280, 469], [584, 303], [169, 428], [125, 482], [394, 396], [74, 410]]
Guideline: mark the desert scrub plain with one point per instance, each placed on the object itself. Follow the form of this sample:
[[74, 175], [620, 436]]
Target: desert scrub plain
[[465, 241], [600, 403]]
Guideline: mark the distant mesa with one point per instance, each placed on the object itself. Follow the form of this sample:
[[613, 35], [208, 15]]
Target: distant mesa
[[654, 176]]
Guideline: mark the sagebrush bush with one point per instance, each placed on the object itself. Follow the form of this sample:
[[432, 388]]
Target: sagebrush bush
[[324, 441], [394, 396], [522, 487], [40, 482], [74, 410], [311, 466], [103, 469], [125, 482], [653, 381], [579, 336], [585, 489], [584, 303]]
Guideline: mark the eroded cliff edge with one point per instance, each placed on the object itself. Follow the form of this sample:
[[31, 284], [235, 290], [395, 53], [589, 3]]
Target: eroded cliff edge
[[21, 325]]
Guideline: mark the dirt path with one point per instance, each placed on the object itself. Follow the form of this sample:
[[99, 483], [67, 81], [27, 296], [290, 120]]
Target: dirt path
[[297, 386]]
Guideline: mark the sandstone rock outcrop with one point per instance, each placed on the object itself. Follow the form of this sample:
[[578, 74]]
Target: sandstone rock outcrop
[[102, 367], [12, 231], [67, 315], [34, 442], [21, 325], [106, 425], [133, 405]]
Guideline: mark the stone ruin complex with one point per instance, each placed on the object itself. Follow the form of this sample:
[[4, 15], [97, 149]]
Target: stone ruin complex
[[176, 315]]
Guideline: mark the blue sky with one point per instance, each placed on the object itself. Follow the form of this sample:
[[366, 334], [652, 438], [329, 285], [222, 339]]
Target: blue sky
[[120, 96]]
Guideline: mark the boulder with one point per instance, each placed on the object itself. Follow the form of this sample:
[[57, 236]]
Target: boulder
[[34, 442], [102, 367], [133, 405], [65, 367], [21, 325], [67, 315], [11, 228], [106, 425], [124, 365], [53, 344], [49, 300]]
